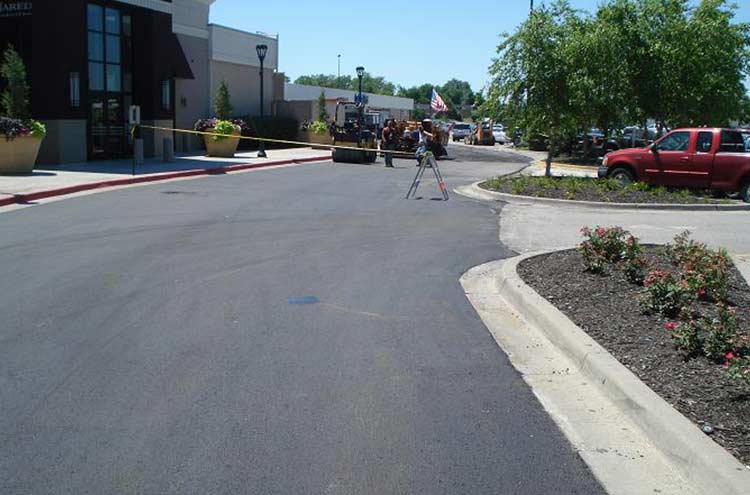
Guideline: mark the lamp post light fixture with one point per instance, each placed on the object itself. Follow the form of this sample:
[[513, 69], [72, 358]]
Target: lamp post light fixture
[[361, 105], [262, 51]]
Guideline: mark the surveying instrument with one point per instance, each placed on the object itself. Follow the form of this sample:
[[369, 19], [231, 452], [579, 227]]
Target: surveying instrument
[[428, 161]]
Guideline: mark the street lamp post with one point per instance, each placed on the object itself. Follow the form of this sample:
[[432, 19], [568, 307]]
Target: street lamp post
[[262, 50], [360, 75], [338, 79]]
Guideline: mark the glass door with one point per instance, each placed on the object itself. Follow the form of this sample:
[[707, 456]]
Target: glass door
[[107, 126]]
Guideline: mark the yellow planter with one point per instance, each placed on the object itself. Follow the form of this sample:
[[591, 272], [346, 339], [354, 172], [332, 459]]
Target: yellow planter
[[311, 137], [223, 147], [18, 155]]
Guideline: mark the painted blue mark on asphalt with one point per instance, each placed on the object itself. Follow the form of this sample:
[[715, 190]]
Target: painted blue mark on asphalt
[[304, 300]]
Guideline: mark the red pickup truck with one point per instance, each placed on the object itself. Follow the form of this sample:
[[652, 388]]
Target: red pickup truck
[[702, 158]]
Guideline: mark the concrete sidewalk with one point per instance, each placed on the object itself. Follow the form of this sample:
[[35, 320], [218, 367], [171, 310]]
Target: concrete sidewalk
[[59, 177]]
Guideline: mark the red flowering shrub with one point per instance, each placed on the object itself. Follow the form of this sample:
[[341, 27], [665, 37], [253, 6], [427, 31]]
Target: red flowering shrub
[[687, 336], [603, 247], [666, 293], [705, 270], [738, 367]]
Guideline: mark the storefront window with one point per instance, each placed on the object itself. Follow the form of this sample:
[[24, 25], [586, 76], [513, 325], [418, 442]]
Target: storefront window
[[96, 46], [113, 49], [166, 95], [96, 76], [114, 82], [113, 21], [95, 18]]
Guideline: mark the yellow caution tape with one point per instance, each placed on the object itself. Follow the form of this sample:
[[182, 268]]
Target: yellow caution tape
[[270, 140]]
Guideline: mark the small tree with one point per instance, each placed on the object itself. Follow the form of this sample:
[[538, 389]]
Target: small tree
[[15, 98], [532, 75], [223, 102], [322, 112]]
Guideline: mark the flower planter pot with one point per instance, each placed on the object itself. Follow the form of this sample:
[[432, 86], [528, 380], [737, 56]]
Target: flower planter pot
[[18, 155], [222, 148], [311, 137]]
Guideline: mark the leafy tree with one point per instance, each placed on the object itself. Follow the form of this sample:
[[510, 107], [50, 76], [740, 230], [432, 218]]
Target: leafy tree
[[531, 75], [325, 81], [718, 49], [601, 86], [420, 94], [457, 92], [370, 84], [322, 111], [15, 98], [222, 102]]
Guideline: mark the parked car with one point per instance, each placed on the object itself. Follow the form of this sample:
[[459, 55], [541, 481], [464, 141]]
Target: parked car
[[499, 134], [461, 131], [701, 158], [597, 144], [538, 142], [636, 137]]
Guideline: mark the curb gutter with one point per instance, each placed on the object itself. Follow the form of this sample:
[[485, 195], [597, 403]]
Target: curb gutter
[[700, 460], [26, 198], [476, 192]]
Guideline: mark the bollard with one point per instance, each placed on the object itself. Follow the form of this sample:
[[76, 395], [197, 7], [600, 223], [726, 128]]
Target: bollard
[[137, 153], [167, 150]]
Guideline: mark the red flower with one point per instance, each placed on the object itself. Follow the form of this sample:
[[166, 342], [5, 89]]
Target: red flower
[[701, 292], [670, 326], [600, 232], [730, 356]]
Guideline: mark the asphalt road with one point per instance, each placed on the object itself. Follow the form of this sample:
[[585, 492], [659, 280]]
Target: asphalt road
[[299, 330]]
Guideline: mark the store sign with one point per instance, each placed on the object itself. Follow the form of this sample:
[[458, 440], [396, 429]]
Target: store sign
[[15, 9]]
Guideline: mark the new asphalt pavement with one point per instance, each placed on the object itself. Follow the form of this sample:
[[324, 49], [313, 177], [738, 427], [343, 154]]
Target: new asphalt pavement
[[285, 331]]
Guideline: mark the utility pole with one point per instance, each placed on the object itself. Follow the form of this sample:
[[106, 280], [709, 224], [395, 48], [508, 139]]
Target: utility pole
[[338, 79]]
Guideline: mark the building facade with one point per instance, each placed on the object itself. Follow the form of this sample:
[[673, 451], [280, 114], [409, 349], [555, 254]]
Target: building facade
[[301, 103], [89, 61]]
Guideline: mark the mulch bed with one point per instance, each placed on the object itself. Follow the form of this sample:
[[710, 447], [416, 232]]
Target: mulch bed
[[590, 190], [606, 307]]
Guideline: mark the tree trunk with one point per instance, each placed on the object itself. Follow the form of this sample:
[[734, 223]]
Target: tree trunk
[[550, 155]]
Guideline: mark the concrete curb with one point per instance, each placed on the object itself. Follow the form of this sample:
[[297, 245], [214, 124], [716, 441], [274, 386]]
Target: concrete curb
[[698, 459], [476, 192], [21, 199]]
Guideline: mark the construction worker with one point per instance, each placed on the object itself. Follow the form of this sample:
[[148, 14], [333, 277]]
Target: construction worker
[[388, 142], [425, 137]]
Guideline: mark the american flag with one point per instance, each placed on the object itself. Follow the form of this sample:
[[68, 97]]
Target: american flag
[[437, 104]]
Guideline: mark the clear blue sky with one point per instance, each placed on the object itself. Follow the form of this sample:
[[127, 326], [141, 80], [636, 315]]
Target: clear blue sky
[[407, 42]]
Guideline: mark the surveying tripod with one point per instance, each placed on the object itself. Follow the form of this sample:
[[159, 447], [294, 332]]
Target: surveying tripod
[[428, 160]]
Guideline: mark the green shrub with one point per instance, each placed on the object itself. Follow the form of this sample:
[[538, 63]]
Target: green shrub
[[722, 332], [710, 336], [223, 127], [37, 129], [222, 102], [15, 98], [687, 336], [602, 247], [319, 127], [705, 270], [666, 293], [738, 367]]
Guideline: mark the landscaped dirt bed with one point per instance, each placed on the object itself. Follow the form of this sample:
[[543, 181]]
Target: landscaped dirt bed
[[599, 190], [607, 308]]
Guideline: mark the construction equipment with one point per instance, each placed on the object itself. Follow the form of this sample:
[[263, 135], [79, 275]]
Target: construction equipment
[[481, 135], [350, 130], [408, 138]]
